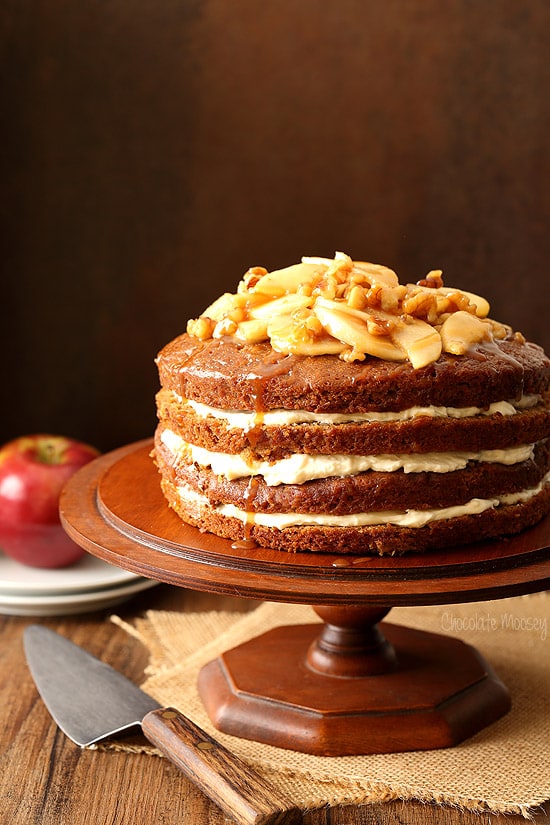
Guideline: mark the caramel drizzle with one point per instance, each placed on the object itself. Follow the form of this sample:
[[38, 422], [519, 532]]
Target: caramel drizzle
[[274, 365]]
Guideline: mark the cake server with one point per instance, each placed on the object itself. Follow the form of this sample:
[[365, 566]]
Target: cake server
[[91, 701]]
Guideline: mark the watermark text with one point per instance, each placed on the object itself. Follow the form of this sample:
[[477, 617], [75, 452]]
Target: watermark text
[[486, 622]]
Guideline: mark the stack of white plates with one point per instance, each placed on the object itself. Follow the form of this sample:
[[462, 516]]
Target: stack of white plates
[[90, 584]]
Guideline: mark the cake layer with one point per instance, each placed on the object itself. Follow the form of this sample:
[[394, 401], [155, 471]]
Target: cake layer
[[484, 519], [302, 467], [230, 375], [420, 433], [359, 493]]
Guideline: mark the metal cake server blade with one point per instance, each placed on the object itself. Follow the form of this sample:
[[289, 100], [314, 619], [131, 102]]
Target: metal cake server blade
[[91, 701], [88, 699]]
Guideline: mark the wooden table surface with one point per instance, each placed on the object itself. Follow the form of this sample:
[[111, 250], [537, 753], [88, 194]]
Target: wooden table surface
[[47, 780]]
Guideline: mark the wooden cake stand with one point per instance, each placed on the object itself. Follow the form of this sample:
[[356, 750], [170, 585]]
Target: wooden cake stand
[[352, 685]]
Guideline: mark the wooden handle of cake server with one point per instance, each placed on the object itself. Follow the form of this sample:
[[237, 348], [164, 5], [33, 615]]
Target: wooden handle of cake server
[[240, 792]]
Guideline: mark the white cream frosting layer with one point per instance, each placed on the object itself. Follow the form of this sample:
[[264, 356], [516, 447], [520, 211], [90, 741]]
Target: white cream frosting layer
[[408, 518], [301, 467], [244, 420]]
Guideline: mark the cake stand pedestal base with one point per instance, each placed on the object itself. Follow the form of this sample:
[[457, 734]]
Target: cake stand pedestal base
[[352, 686]]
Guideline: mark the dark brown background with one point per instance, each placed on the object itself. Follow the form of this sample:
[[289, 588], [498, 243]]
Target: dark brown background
[[154, 149]]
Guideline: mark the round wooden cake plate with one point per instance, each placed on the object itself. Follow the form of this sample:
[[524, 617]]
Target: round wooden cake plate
[[351, 685]]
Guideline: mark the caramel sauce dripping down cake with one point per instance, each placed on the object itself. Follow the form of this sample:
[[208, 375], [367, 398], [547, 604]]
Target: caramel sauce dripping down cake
[[327, 407]]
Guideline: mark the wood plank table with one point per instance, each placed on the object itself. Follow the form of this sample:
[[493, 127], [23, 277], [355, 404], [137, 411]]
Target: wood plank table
[[47, 780]]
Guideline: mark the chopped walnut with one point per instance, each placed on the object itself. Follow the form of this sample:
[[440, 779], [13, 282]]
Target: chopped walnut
[[356, 297], [379, 326], [374, 297], [460, 302], [433, 279], [201, 328], [251, 278], [419, 304], [314, 326], [224, 327], [350, 354], [327, 287]]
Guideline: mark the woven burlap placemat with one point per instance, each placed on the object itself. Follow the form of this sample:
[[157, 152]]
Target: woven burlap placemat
[[502, 769]]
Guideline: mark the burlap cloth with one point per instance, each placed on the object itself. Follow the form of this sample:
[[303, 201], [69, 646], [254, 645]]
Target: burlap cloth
[[503, 769]]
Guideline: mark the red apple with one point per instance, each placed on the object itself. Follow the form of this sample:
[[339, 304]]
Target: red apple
[[33, 470]]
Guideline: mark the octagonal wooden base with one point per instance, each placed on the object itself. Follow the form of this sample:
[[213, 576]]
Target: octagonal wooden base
[[414, 691]]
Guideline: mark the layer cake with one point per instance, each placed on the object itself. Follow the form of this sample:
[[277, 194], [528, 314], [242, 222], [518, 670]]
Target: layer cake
[[327, 407]]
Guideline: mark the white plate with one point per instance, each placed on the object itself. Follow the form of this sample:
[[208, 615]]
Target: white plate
[[87, 574], [56, 605]]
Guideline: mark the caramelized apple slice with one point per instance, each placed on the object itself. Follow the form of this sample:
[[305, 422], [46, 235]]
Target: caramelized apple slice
[[289, 336], [221, 307], [285, 305], [282, 281], [461, 330], [350, 327], [481, 304], [376, 274], [253, 331], [420, 341]]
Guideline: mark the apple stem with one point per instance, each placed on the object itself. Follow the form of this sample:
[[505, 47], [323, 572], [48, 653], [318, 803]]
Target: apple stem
[[50, 452]]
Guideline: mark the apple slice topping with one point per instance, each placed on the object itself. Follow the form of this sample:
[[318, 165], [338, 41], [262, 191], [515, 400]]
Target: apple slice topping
[[353, 309], [291, 335], [461, 330], [420, 342], [286, 305], [363, 332], [283, 281]]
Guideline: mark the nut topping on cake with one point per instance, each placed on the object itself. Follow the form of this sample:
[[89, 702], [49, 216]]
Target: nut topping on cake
[[352, 309]]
